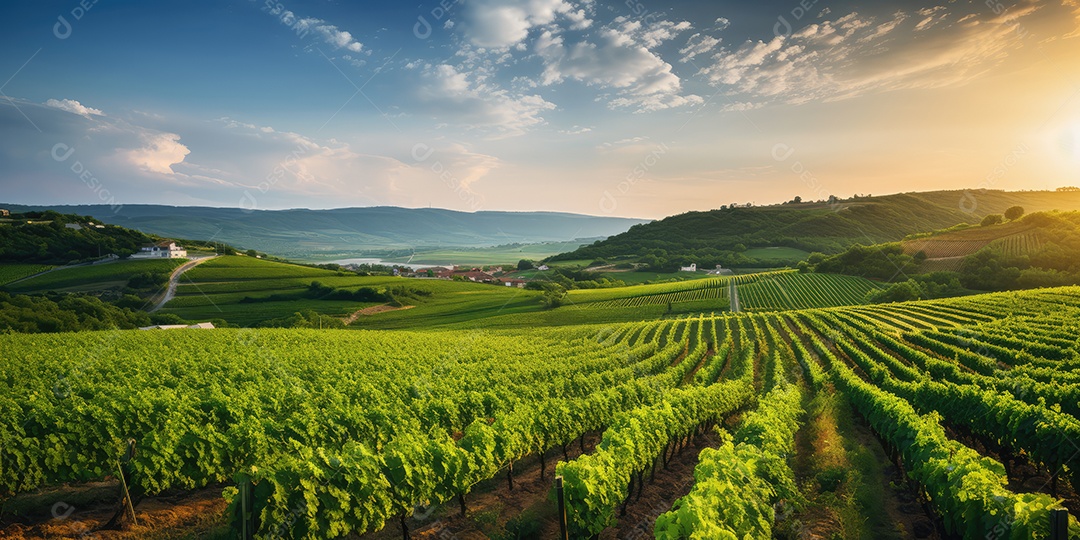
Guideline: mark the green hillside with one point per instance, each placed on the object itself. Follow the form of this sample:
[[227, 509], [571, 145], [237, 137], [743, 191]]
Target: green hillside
[[728, 236]]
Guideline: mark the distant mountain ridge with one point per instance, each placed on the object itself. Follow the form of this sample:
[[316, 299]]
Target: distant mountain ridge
[[348, 232]]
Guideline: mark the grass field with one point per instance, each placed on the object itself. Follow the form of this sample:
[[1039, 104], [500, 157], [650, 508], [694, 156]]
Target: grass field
[[217, 289], [15, 272], [95, 277]]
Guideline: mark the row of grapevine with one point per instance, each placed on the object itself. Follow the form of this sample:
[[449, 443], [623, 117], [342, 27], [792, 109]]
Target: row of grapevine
[[969, 490], [665, 293], [800, 291], [597, 483], [737, 484]]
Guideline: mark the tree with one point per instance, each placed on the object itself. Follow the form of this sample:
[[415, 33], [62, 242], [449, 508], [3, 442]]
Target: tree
[[525, 264], [797, 199], [992, 219], [1014, 213]]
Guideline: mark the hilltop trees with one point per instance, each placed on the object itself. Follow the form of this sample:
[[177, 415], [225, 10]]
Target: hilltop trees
[[992, 219], [1014, 213]]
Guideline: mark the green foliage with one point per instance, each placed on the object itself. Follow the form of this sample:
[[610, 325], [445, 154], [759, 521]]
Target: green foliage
[[919, 287], [525, 264], [992, 219], [990, 270], [1014, 213], [968, 489], [730, 499], [304, 319], [343, 432], [64, 313], [42, 237], [882, 261]]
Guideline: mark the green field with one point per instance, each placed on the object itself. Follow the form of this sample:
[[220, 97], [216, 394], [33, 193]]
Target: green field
[[361, 428], [95, 277], [224, 288], [15, 272], [217, 289]]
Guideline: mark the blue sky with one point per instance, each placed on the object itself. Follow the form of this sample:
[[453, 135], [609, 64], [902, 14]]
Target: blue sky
[[632, 108]]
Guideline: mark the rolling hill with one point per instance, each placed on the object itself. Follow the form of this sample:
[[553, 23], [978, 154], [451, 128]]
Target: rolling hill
[[350, 232], [722, 236]]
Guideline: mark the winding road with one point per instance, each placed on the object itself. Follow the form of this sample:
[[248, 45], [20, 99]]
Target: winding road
[[174, 280]]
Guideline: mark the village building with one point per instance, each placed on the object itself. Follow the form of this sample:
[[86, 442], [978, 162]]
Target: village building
[[162, 250]]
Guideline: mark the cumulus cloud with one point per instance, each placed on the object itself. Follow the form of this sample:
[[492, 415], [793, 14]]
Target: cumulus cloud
[[472, 100], [855, 55], [160, 152], [500, 24], [74, 107], [618, 57]]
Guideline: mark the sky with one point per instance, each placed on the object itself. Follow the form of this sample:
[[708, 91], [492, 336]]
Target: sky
[[635, 108]]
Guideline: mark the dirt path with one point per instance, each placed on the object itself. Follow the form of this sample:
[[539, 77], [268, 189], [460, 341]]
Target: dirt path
[[734, 298], [373, 310], [658, 496], [79, 511], [174, 280], [493, 508]]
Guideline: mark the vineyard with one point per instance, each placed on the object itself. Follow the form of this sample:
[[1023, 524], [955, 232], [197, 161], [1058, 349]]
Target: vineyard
[[15, 272], [665, 293], [326, 433], [1014, 239], [1019, 245], [802, 291]]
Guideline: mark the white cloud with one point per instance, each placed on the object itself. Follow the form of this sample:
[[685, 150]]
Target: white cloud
[[160, 152], [854, 55], [499, 24], [698, 44], [619, 57], [470, 100], [575, 130], [930, 17], [330, 34], [74, 107]]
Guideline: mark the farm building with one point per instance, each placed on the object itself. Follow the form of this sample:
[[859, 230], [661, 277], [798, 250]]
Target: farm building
[[5, 213], [161, 250], [691, 268], [475, 275]]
